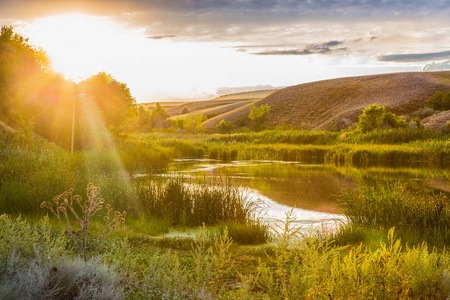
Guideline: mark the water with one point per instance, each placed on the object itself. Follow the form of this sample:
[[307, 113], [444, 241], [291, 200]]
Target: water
[[310, 191]]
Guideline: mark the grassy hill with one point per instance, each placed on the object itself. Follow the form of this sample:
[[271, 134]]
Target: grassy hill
[[223, 103], [338, 102]]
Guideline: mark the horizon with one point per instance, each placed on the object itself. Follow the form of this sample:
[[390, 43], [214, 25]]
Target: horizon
[[199, 50]]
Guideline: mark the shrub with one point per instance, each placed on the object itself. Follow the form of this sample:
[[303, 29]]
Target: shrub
[[224, 127], [371, 118], [34, 264], [439, 101], [259, 115]]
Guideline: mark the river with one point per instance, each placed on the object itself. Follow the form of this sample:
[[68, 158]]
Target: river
[[310, 191]]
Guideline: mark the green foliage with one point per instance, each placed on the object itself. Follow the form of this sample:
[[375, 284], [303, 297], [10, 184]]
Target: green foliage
[[191, 204], [159, 117], [390, 136], [388, 205], [439, 101], [113, 100], [224, 127], [250, 233], [259, 116], [34, 264], [371, 118], [374, 117]]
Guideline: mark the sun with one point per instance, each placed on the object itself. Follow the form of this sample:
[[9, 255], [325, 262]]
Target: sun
[[79, 45]]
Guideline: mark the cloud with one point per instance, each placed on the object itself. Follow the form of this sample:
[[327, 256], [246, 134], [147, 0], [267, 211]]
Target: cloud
[[160, 37], [416, 57], [324, 48], [440, 66]]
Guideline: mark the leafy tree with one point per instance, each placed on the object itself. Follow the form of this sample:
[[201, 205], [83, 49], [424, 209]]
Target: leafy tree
[[391, 120], [159, 117], [224, 127], [22, 72], [439, 101], [371, 118], [374, 117], [259, 115], [112, 98]]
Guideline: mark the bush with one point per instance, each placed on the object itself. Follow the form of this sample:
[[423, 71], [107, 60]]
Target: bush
[[34, 264], [224, 127], [259, 115], [439, 101]]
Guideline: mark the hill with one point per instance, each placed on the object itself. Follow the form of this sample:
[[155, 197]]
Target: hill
[[222, 102], [338, 102]]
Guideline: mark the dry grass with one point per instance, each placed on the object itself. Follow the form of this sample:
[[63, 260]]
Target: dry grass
[[316, 105], [220, 109], [437, 122], [218, 102]]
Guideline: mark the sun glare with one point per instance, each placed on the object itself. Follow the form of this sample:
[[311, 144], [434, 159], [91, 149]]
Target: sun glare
[[77, 44]]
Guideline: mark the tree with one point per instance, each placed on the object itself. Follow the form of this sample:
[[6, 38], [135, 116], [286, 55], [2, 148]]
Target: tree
[[159, 117], [439, 101], [374, 117], [112, 98], [23, 71], [224, 127], [371, 118], [259, 115]]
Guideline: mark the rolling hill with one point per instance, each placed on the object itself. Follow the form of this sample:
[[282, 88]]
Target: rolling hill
[[233, 101], [338, 102]]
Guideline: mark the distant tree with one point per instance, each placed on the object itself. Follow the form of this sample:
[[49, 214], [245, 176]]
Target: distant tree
[[159, 117], [185, 110], [439, 101], [371, 118], [224, 127], [259, 115], [374, 117], [112, 98], [391, 120]]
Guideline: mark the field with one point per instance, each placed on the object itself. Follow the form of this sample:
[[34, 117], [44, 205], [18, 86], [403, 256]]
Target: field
[[212, 257]]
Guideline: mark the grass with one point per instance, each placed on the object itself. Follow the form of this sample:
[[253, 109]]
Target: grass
[[365, 259], [392, 205], [214, 267], [188, 203]]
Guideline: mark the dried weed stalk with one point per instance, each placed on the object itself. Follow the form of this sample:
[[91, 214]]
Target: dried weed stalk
[[65, 207]]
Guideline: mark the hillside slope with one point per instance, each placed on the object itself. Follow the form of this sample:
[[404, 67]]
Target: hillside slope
[[338, 102], [222, 101]]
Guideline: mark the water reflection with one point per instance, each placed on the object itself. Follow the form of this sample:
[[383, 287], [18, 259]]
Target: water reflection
[[310, 189]]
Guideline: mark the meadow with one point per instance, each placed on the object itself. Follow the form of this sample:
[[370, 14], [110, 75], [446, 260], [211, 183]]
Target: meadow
[[223, 249]]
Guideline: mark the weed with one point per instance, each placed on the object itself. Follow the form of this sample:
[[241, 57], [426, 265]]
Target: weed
[[65, 209]]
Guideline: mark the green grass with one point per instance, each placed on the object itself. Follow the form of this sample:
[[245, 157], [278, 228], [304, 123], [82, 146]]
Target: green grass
[[189, 203], [415, 214]]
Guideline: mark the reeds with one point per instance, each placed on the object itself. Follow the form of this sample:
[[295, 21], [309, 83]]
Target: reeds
[[187, 203], [392, 205]]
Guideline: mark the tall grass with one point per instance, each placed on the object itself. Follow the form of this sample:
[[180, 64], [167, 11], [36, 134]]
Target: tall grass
[[392, 205], [189, 203]]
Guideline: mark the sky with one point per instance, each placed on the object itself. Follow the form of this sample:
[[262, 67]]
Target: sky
[[167, 50]]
